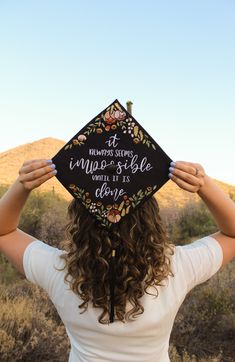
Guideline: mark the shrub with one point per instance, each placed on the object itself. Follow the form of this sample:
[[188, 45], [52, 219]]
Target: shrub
[[8, 273], [192, 221], [205, 323], [30, 328], [44, 216]]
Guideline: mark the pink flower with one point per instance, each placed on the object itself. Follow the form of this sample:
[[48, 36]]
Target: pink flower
[[113, 117], [81, 138], [119, 116]]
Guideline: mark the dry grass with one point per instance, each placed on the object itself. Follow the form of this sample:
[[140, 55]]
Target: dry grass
[[30, 329], [204, 330]]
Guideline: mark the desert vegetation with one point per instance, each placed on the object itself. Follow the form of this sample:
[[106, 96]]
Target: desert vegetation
[[31, 330]]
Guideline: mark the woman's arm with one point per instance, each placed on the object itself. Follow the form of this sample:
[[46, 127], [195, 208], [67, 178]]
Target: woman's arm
[[12, 241], [191, 177]]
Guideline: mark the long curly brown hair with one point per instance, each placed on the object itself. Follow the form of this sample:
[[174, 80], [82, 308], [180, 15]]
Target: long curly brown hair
[[142, 259]]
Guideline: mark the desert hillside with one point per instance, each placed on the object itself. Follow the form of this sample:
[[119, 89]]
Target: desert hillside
[[11, 160]]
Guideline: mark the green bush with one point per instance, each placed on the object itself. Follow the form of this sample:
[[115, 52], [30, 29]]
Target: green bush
[[192, 221], [8, 273], [30, 328], [44, 217], [205, 323]]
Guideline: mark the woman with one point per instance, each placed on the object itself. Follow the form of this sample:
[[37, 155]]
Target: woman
[[153, 276]]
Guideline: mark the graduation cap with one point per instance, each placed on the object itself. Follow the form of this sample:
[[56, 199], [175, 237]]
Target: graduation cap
[[112, 165]]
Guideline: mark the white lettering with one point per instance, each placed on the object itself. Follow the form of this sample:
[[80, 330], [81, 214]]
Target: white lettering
[[112, 141], [90, 166], [105, 191]]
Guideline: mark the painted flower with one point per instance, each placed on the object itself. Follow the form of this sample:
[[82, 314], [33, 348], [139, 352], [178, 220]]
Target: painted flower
[[136, 140], [114, 216], [73, 187], [113, 117], [109, 119], [93, 207], [75, 142], [119, 116], [81, 138]]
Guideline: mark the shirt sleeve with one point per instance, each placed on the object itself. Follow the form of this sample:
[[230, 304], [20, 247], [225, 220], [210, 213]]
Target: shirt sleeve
[[41, 266], [199, 261]]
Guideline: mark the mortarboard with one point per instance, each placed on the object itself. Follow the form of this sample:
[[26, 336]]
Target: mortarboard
[[112, 165]]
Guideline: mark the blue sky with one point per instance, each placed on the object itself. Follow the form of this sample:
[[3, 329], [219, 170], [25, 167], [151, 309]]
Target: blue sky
[[62, 62]]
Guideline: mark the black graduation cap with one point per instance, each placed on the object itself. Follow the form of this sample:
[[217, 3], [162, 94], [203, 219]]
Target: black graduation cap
[[112, 165]]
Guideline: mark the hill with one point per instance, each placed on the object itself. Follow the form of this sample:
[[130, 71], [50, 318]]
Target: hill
[[11, 160]]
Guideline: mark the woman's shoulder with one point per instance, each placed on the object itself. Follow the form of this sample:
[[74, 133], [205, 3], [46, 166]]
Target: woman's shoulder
[[198, 261], [39, 250], [45, 266]]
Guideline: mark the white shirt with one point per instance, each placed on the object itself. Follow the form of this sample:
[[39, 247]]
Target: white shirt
[[147, 338]]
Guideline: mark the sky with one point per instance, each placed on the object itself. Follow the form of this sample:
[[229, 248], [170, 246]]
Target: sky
[[62, 62]]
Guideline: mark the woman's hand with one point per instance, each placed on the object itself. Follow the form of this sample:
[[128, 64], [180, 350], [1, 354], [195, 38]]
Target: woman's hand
[[33, 173], [13, 242], [187, 175]]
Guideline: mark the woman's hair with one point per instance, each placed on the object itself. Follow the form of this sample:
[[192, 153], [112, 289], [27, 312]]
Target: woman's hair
[[142, 259]]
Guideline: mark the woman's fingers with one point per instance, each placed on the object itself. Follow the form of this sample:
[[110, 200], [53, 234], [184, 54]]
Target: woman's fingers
[[187, 175], [184, 185], [28, 162], [29, 166], [30, 185], [34, 172], [193, 168]]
